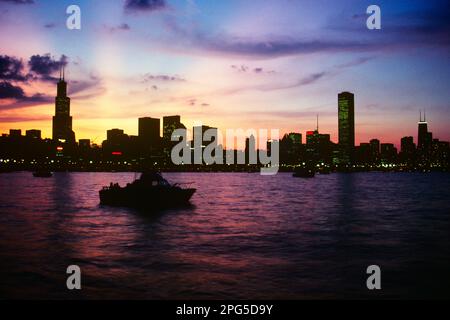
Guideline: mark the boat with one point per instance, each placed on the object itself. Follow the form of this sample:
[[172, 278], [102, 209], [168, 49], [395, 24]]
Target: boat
[[304, 173], [150, 191], [42, 174]]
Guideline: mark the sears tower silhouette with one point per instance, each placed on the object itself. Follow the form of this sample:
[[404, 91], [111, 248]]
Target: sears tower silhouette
[[62, 121]]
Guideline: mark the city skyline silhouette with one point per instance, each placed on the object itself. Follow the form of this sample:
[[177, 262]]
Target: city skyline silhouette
[[318, 150], [131, 62]]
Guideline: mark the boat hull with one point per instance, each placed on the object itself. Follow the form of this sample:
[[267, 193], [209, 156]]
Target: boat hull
[[304, 174], [43, 174], [151, 198]]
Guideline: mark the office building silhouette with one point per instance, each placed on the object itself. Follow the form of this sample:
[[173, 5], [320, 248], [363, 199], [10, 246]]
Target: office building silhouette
[[62, 121], [170, 124], [149, 134], [346, 115]]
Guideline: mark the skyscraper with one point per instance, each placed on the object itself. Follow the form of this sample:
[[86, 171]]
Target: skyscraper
[[388, 153], [346, 114], [408, 150], [375, 151], [170, 124], [423, 140], [62, 121], [117, 142], [199, 142], [407, 145], [149, 133], [318, 146], [201, 130], [251, 155]]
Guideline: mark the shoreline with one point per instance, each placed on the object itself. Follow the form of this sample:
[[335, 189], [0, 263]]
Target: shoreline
[[164, 170]]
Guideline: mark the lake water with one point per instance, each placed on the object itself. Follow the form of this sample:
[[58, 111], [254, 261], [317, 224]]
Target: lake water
[[246, 236]]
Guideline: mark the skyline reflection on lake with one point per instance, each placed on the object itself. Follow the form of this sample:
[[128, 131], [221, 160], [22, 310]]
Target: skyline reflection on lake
[[246, 236]]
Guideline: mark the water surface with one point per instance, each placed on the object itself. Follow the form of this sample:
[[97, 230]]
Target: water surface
[[246, 236]]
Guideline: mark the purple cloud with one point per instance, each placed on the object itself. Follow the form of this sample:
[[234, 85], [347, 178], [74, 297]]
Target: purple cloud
[[44, 66], [11, 68], [145, 5], [19, 1], [400, 32], [10, 91]]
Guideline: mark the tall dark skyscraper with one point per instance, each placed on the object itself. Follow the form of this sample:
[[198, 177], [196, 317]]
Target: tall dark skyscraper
[[62, 121], [423, 139], [346, 112], [149, 133], [408, 150]]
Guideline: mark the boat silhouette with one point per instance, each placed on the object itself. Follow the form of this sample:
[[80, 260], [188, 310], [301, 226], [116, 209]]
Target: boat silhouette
[[304, 173], [150, 191]]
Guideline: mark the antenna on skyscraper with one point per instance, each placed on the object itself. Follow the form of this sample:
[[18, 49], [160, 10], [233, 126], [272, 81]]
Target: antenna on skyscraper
[[420, 115], [60, 73], [317, 122], [63, 72], [424, 116]]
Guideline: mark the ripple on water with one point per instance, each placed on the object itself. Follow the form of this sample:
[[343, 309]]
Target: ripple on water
[[246, 236]]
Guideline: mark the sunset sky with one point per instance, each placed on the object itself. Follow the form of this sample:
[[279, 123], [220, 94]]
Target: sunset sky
[[230, 64]]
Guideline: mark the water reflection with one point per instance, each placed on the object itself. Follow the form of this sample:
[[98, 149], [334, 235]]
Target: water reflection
[[245, 236]]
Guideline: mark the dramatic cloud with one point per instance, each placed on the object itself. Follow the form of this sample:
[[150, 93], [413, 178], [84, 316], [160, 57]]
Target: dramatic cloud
[[44, 66], [280, 47], [262, 47], [40, 68], [145, 5], [18, 1], [9, 91], [343, 33], [11, 69]]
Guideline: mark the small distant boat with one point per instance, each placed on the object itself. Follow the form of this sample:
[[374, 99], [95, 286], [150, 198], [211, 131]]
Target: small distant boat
[[304, 173], [150, 191], [42, 174]]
